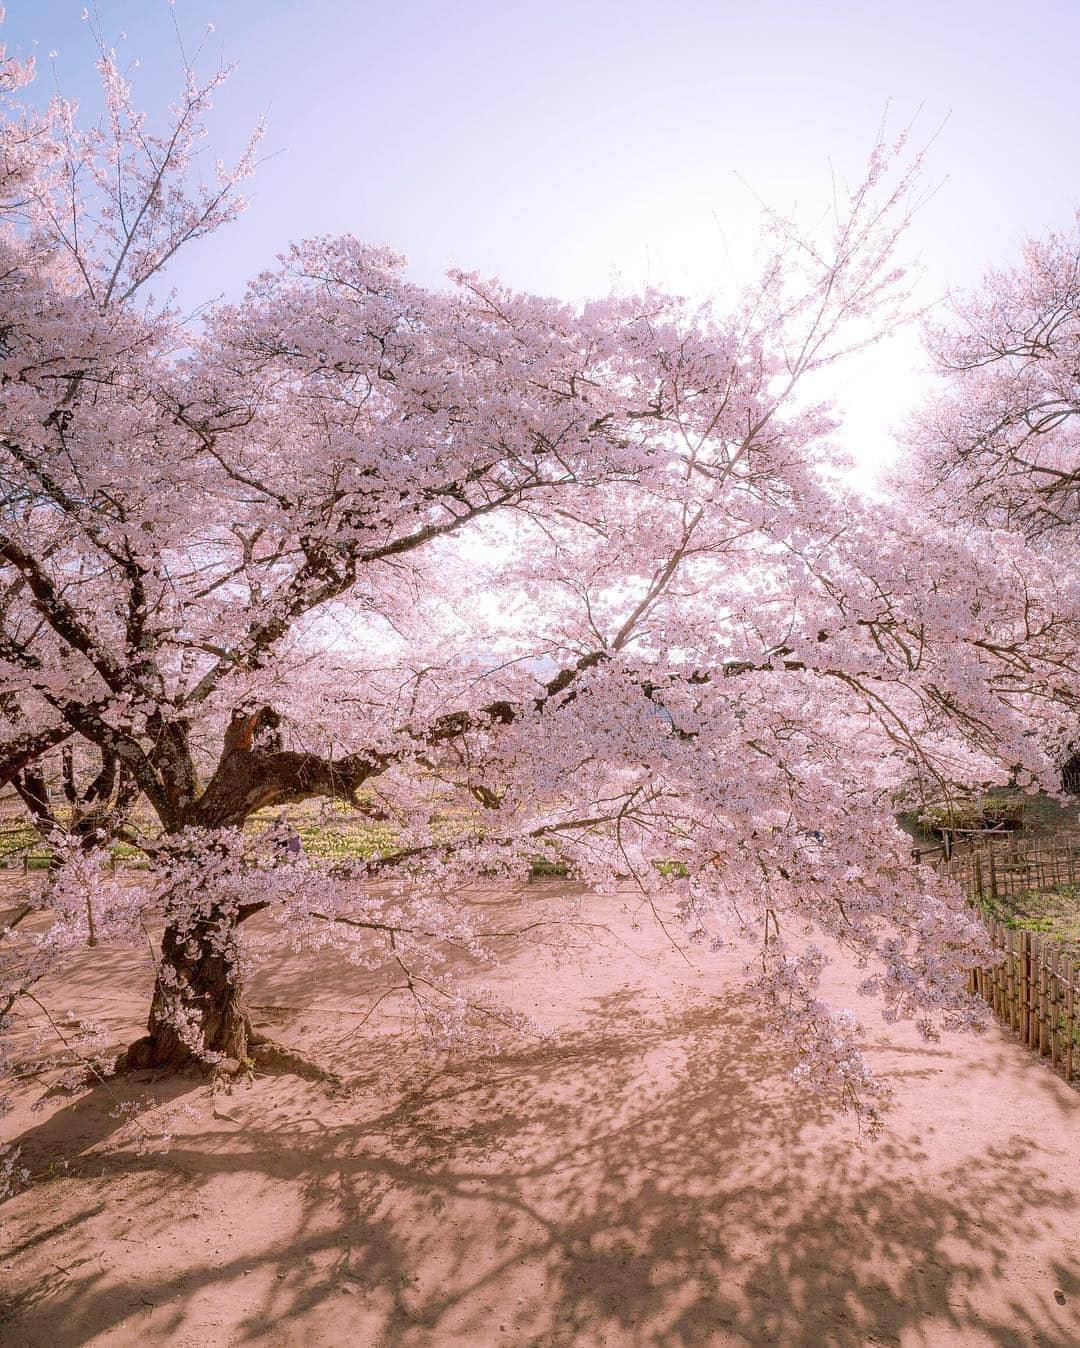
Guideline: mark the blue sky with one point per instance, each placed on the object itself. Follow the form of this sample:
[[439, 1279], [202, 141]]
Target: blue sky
[[559, 144]]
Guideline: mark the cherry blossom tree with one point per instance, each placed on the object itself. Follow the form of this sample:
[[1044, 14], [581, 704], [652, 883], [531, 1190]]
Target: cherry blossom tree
[[516, 575], [998, 445]]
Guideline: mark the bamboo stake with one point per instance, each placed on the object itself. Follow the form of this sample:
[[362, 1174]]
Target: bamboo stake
[[1043, 1046], [1021, 1016], [997, 976], [1032, 988], [1010, 982], [1006, 978]]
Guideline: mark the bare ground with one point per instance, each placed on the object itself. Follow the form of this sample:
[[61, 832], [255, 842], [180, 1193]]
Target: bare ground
[[648, 1180]]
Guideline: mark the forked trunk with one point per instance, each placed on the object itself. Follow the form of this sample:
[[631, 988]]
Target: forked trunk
[[198, 1000]]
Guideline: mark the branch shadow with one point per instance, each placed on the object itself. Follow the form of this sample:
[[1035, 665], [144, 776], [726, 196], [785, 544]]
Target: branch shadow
[[645, 1181]]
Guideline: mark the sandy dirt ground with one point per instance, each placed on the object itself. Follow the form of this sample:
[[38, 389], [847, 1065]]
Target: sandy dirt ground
[[648, 1180]]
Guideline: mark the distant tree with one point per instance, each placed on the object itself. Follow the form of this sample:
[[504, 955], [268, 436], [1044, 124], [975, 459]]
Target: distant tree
[[252, 565], [999, 444]]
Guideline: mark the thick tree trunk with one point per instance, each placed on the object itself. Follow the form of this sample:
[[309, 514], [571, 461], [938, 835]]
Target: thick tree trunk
[[198, 1001]]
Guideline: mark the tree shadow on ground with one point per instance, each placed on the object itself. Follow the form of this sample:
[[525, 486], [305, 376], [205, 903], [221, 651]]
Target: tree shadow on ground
[[644, 1181]]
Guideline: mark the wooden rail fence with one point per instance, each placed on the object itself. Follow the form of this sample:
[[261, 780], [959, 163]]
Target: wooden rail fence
[[1034, 989], [1004, 869]]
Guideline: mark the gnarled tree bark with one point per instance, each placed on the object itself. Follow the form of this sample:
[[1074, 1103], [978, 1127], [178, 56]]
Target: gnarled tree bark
[[199, 984]]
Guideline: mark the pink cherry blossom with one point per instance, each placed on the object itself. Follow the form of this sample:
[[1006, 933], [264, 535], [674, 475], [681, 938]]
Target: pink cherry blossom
[[515, 575]]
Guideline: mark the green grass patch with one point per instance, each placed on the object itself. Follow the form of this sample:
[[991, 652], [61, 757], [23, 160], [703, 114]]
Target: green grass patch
[[972, 814], [17, 838], [335, 833], [1052, 912], [540, 867], [673, 870]]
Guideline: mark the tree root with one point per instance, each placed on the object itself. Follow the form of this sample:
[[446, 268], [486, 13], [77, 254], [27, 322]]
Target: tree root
[[266, 1054], [279, 1060]]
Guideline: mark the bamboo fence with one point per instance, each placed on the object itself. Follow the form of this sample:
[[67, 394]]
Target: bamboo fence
[[1004, 869], [1035, 988]]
